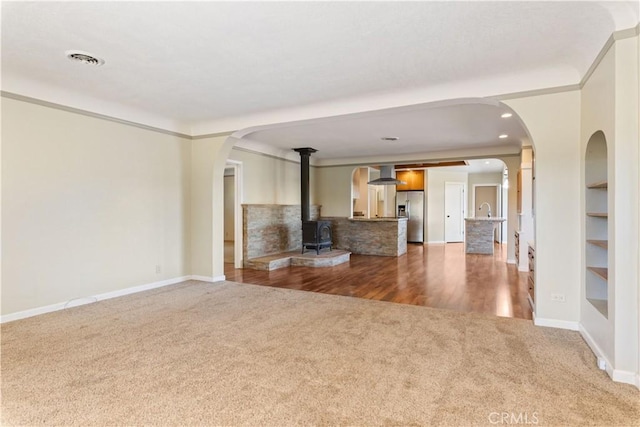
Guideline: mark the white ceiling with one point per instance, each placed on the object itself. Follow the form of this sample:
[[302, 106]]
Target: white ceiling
[[434, 127], [201, 67], [479, 166]]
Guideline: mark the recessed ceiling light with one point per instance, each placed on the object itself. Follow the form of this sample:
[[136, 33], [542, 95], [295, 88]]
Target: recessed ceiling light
[[389, 138], [503, 136], [486, 162], [84, 57], [506, 115]]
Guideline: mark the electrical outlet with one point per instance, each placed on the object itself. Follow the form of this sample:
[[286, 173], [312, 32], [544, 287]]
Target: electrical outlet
[[158, 269], [557, 297]]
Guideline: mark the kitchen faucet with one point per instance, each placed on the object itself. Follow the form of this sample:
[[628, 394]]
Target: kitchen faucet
[[488, 208]]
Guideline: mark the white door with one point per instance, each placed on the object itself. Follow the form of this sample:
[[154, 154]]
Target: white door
[[453, 212]]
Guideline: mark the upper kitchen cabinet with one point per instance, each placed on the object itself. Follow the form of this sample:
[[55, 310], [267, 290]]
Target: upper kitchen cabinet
[[414, 180]]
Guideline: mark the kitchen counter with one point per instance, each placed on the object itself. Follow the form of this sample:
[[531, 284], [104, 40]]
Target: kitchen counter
[[479, 235], [356, 218], [370, 236]]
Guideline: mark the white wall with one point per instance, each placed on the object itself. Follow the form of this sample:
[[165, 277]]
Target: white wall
[[627, 212], [208, 159], [480, 179], [597, 108], [333, 189], [270, 180], [610, 104], [88, 206], [553, 122], [436, 179]]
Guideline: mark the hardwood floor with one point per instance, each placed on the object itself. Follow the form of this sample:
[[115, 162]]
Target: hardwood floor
[[438, 275]]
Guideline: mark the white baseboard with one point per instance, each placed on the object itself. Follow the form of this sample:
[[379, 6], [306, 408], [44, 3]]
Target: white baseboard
[[554, 323], [76, 302], [436, 242], [208, 278], [33, 312], [626, 377], [141, 288], [595, 348], [511, 261], [617, 375]]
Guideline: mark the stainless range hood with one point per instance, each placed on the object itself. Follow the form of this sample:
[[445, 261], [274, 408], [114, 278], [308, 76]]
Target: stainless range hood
[[386, 177]]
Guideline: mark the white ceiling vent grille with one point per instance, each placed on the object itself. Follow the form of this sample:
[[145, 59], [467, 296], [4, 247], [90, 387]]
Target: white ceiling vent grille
[[84, 57]]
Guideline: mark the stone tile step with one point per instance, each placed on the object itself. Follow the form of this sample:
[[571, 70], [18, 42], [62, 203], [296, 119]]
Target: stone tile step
[[326, 258]]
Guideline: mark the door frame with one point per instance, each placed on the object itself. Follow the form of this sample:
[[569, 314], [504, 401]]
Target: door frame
[[464, 203], [237, 211]]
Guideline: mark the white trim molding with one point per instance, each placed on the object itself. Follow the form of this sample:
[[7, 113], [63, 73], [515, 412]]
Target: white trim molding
[[76, 302], [209, 279], [596, 350], [617, 375], [626, 377], [555, 323]]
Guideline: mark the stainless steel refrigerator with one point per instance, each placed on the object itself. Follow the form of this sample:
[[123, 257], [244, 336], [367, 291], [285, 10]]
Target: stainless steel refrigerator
[[410, 204]]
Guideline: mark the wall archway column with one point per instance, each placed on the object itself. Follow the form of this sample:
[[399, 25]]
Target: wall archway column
[[557, 220], [208, 160]]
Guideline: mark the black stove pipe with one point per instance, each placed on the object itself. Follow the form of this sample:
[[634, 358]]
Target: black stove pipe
[[304, 180]]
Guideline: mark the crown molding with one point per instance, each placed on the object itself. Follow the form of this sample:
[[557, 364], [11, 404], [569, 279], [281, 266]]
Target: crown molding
[[613, 38], [87, 113]]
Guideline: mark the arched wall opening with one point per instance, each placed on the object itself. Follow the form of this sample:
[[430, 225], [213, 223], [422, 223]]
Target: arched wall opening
[[330, 174]]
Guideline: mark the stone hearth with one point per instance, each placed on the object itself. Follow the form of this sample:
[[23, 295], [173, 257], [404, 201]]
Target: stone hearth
[[295, 258]]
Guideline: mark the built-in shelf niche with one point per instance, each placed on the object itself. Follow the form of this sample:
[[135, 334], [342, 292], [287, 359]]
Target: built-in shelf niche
[[600, 243], [596, 224]]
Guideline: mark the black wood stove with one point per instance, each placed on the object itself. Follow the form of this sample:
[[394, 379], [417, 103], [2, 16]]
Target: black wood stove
[[315, 234]]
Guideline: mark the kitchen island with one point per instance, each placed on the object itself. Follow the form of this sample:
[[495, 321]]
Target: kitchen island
[[370, 236], [479, 233]]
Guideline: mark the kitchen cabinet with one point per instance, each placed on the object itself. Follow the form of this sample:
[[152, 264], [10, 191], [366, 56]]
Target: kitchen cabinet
[[414, 180]]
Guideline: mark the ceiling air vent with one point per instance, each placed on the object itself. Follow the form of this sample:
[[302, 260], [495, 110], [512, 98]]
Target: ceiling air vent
[[85, 58]]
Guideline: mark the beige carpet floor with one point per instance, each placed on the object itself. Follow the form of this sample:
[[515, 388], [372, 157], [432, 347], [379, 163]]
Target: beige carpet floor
[[235, 354]]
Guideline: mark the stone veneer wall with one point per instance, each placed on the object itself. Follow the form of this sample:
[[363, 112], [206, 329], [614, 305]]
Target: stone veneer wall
[[479, 237], [384, 238], [271, 229]]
